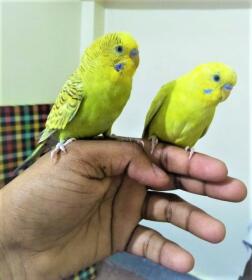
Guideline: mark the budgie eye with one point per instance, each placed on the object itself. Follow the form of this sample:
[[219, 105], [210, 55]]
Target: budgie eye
[[119, 49], [216, 78]]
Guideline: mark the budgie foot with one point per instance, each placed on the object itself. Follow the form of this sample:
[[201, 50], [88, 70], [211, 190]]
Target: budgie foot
[[139, 141], [191, 151], [154, 142], [61, 147]]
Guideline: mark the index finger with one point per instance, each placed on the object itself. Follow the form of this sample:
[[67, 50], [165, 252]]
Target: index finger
[[202, 167]]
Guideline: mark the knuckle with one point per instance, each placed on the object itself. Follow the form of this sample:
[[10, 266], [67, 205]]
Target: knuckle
[[150, 236], [134, 149]]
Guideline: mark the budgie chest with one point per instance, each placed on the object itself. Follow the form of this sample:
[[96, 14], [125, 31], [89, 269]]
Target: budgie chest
[[102, 104], [181, 122]]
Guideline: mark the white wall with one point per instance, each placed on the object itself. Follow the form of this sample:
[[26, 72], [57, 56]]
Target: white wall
[[40, 49], [1, 66], [172, 41]]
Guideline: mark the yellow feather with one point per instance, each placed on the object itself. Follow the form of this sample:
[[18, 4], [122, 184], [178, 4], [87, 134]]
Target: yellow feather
[[183, 110], [96, 93]]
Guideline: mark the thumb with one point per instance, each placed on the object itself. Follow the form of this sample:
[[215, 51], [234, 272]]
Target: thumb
[[116, 158]]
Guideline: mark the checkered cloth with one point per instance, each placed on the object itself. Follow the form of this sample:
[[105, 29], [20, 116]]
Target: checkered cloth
[[20, 127], [87, 274]]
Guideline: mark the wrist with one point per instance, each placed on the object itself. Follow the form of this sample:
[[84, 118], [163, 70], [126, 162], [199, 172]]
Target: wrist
[[5, 271], [10, 261]]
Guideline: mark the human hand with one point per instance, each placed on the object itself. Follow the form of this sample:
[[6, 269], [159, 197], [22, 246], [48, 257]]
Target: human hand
[[57, 218]]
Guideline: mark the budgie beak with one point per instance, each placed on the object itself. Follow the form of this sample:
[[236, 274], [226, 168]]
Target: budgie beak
[[226, 90], [228, 87], [134, 55]]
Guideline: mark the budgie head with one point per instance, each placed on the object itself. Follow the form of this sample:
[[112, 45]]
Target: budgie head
[[214, 82], [117, 53]]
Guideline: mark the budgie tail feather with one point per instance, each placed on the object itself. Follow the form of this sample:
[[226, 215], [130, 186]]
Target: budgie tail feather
[[36, 153]]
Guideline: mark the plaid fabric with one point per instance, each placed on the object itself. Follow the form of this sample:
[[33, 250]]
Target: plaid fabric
[[87, 274], [20, 127]]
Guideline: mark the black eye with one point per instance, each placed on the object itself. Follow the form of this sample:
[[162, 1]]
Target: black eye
[[216, 78], [119, 49]]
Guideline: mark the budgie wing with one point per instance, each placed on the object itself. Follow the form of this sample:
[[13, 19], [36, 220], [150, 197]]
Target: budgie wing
[[208, 125], [65, 107], [63, 111], [156, 104]]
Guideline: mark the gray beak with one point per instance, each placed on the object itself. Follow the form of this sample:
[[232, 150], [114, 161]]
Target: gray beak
[[134, 53], [228, 87]]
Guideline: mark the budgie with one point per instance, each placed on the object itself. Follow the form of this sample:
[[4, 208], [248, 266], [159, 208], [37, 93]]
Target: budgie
[[183, 109], [95, 95]]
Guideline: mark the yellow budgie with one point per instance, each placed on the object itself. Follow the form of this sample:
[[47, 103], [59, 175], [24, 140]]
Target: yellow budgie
[[95, 94], [183, 109]]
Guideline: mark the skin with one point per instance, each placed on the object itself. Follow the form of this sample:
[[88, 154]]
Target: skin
[[91, 203]]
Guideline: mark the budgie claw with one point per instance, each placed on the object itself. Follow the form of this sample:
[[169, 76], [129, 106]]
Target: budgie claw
[[191, 151], [154, 142], [139, 141], [61, 146]]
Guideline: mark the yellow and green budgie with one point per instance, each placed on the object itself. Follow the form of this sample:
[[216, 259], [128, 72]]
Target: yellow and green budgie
[[96, 93], [183, 109]]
